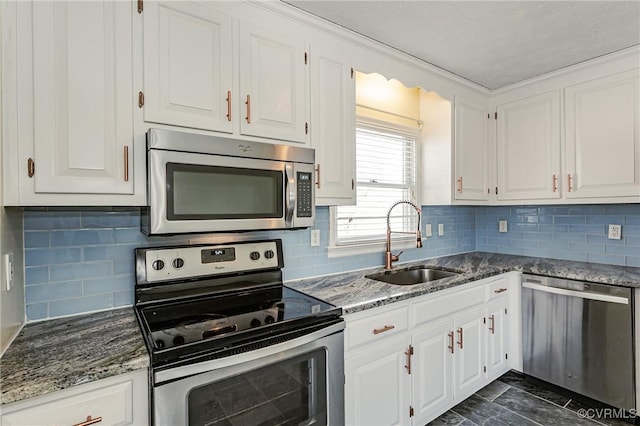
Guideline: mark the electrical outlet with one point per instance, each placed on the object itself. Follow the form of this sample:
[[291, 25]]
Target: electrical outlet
[[315, 237], [615, 232], [427, 230], [440, 229], [8, 270], [502, 226]]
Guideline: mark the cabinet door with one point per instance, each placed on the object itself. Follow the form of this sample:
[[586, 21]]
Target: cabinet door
[[333, 127], [273, 84], [497, 332], [468, 368], [83, 97], [528, 145], [470, 150], [432, 378], [377, 385], [187, 65], [603, 137]]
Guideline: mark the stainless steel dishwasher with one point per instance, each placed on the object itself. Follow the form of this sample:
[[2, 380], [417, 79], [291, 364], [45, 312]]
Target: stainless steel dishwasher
[[579, 336]]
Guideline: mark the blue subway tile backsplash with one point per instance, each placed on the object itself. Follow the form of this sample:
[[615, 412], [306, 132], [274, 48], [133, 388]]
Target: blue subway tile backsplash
[[81, 260]]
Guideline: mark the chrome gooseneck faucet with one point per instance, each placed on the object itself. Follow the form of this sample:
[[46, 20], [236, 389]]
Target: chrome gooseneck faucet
[[389, 257]]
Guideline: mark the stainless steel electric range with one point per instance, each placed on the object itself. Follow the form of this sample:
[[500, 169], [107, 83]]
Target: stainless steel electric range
[[230, 344]]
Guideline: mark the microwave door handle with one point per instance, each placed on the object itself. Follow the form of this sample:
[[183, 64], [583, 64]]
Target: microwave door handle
[[290, 194]]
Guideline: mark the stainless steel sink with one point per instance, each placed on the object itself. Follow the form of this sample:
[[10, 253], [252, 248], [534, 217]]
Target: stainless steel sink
[[411, 276]]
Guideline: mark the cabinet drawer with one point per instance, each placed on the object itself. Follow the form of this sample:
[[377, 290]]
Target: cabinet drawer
[[445, 305], [497, 288], [376, 327], [115, 402]]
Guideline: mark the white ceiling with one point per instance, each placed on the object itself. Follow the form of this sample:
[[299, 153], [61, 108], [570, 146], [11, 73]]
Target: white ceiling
[[492, 43]]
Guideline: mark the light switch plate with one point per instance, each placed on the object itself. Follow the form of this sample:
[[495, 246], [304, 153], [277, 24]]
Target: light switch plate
[[502, 226], [315, 237], [8, 270], [427, 230], [615, 232]]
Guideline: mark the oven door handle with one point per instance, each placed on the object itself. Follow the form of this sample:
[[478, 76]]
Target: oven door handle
[[290, 194], [205, 366]]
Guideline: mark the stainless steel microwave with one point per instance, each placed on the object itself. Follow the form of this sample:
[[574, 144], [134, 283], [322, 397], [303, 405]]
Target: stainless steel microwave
[[199, 183]]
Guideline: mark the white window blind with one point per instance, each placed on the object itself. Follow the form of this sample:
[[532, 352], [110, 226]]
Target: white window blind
[[385, 173]]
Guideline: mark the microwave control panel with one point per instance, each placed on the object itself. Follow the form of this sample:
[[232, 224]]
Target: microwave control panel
[[305, 193]]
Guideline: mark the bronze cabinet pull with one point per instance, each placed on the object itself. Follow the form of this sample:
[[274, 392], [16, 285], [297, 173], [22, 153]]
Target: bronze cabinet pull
[[492, 327], [569, 178], [450, 334], [460, 333], [318, 176], [31, 167], [459, 184], [500, 290], [89, 421], [408, 353], [248, 104], [228, 105], [555, 183], [126, 163], [383, 329]]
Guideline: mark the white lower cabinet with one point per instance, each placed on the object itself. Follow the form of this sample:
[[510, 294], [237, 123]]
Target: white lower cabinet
[[367, 402], [409, 370], [119, 400]]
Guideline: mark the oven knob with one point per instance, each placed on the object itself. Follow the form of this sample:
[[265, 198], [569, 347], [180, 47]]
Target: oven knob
[[269, 320], [160, 344], [158, 265], [269, 254], [255, 322], [254, 255], [178, 340], [178, 262]]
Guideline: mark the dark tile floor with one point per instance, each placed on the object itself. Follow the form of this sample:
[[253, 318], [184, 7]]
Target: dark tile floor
[[512, 400]]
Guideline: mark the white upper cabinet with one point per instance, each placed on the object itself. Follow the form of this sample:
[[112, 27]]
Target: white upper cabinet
[[273, 84], [602, 137], [528, 148], [68, 104], [333, 130], [471, 161], [188, 65], [82, 92]]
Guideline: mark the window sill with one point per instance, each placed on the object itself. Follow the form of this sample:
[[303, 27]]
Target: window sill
[[366, 248]]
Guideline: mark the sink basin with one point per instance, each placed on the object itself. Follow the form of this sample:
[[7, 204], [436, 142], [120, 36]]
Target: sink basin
[[411, 276]]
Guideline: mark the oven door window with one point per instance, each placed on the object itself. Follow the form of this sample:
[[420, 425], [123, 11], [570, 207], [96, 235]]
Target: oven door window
[[197, 192], [289, 392]]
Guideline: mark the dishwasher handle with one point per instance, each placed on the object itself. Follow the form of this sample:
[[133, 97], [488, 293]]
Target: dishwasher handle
[[575, 293]]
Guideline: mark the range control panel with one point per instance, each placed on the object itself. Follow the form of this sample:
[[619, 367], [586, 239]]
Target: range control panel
[[164, 263]]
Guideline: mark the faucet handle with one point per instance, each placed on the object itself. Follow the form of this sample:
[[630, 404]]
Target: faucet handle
[[396, 257]]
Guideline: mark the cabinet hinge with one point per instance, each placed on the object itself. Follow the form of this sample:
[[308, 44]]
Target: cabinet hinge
[[353, 184], [140, 99], [31, 167], [306, 128], [505, 311], [352, 73], [484, 320], [410, 411], [506, 356], [485, 368], [495, 115], [140, 6], [305, 58]]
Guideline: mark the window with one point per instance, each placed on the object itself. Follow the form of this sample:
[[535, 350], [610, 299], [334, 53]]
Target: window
[[385, 172]]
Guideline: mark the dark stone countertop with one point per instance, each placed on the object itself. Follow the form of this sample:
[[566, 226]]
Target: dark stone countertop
[[354, 292], [56, 354]]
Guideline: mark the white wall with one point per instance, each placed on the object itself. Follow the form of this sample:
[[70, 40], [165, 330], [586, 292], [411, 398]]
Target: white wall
[[12, 315]]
